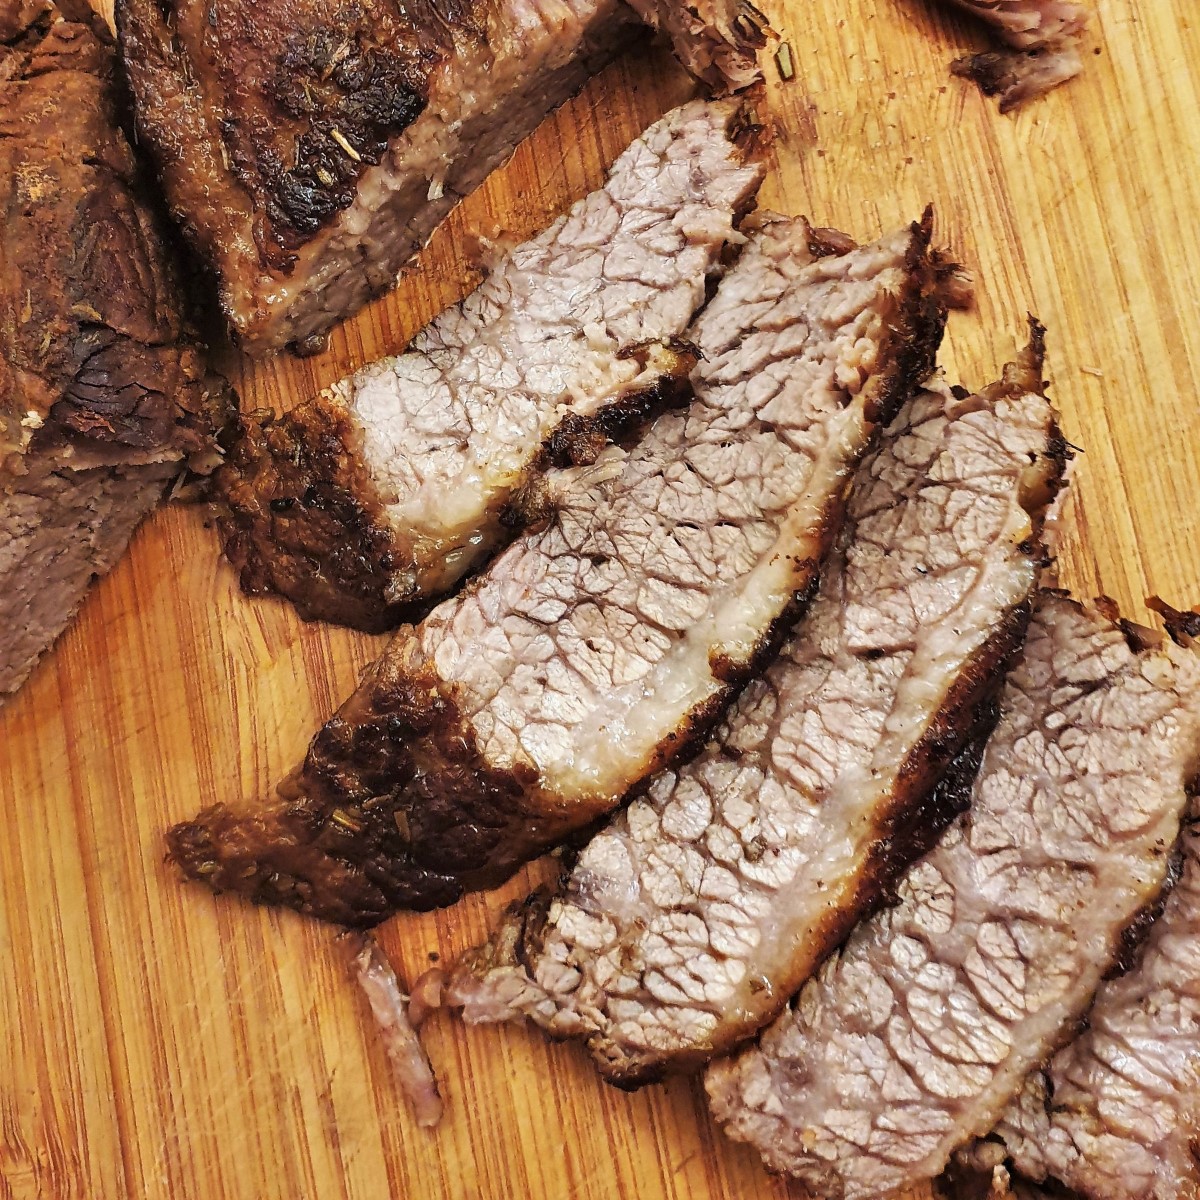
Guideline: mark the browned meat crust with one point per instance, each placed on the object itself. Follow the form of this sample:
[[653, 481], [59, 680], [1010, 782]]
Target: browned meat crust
[[104, 391], [302, 517], [400, 805], [309, 152]]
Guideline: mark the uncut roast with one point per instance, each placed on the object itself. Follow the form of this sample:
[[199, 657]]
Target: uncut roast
[[104, 392], [309, 150]]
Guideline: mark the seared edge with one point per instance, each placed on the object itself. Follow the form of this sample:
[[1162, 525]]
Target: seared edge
[[302, 517]]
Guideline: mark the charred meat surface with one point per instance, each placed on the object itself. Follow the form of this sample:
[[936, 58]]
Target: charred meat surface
[[593, 651], [381, 494], [1042, 39], [308, 152], [103, 392], [916, 1035], [1115, 1115], [688, 923]]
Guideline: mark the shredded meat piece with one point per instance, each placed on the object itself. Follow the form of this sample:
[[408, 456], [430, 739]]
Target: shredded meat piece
[[391, 1009], [1043, 39]]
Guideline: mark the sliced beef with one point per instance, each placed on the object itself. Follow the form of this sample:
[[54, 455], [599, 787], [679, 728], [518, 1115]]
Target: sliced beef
[[915, 1037], [383, 492], [1116, 1113], [1042, 39], [688, 923], [103, 392], [593, 651], [309, 150]]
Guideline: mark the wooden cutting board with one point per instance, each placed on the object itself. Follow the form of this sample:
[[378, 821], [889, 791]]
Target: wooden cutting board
[[155, 1042]]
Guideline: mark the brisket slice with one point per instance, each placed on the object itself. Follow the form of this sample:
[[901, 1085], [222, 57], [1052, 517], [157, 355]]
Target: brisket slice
[[384, 491], [688, 923], [308, 150], [103, 392], [1116, 1113], [915, 1037], [592, 652], [1042, 39]]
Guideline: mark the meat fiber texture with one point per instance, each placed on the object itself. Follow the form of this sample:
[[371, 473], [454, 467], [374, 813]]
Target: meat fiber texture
[[103, 392], [688, 923], [1115, 1115], [916, 1036], [593, 651], [381, 494], [1043, 40], [309, 150], [716, 40]]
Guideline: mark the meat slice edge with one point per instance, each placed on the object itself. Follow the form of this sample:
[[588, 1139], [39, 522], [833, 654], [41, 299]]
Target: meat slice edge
[[1116, 1113], [692, 918], [592, 652], [308, 152], [376, 498], [104, 392], [1043, 39], [914, 1038]]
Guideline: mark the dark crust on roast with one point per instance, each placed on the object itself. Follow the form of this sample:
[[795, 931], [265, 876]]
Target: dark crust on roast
[[1127, 953], [104, 351], [395, 807], [301, 517], [300, 109]]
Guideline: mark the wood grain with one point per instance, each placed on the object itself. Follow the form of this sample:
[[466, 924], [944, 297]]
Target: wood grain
[[155, 1042]]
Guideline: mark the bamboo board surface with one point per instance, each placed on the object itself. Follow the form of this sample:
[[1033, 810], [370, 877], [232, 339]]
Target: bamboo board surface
[[155, 1042]]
